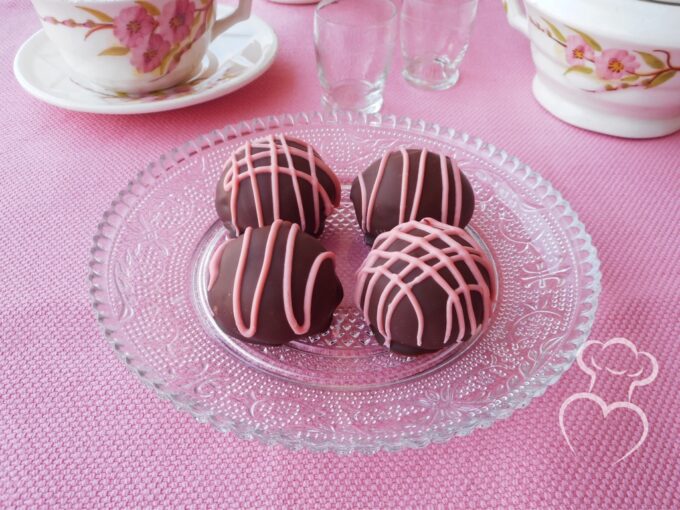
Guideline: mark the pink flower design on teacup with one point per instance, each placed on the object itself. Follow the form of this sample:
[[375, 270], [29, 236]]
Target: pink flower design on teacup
[[133, 26], [176, 20], [613, 64], [578, 51], [148, 57], [147, 34]]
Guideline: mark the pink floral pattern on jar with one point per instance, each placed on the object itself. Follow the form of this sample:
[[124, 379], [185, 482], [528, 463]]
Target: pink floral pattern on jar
[[153, 40], [616, 68], [615, 64], [577, 51]]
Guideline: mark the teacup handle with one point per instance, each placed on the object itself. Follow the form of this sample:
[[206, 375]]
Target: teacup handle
[[241, 13], [516, 16]]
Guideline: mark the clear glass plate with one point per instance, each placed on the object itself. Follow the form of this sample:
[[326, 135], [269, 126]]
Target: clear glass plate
[[340, 391]]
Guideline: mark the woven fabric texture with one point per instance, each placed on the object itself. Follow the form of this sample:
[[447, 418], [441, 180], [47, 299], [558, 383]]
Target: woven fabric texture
[[78, 431]]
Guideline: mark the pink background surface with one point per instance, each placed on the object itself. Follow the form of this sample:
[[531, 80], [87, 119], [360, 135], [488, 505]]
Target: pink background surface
[[78, 430]]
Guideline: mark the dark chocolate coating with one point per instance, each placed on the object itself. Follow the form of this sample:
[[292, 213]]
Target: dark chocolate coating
[[386, 211], [432, 299], [289, 211], [273, 327]]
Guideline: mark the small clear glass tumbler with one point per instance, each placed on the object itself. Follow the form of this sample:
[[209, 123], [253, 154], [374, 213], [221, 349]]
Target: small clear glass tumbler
[[354, 40], [434, 39]]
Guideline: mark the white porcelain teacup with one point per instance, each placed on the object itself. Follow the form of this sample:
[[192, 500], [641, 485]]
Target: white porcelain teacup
[[132, 46]]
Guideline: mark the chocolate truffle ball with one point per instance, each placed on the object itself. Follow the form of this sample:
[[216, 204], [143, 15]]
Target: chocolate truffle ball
[[411, 184], [273, 284], [275, 178], [425, 285]]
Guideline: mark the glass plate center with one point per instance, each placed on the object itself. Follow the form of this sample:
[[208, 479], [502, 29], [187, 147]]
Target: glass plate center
[[347, 356]]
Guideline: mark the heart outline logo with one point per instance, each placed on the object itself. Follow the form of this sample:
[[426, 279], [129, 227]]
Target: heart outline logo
[[606, 409]]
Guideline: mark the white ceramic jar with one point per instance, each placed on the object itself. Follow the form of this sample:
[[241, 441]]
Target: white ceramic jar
[[611, 66]]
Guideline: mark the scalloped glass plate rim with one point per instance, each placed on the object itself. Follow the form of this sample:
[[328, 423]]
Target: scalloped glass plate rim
[[515, 399]]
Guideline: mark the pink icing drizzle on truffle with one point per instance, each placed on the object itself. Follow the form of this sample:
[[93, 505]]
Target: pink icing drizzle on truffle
[[276, 145], [381, 259], [250, 330], [368, 203]]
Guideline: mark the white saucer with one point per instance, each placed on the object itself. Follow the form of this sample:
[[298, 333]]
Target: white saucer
[[233, 60]]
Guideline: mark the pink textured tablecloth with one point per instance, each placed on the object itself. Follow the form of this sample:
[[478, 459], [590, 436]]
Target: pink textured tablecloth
[[78, 430]]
